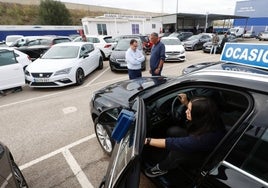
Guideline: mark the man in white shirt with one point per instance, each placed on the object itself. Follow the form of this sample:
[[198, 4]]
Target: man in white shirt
[[134, 58]]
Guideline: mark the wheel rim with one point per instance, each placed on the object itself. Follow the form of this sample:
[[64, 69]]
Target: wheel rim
[[18, 176], [104, 138], [79, 76]]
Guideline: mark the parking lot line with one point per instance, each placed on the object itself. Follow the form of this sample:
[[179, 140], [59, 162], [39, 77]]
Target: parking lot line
[[78, 172], [44, 157]]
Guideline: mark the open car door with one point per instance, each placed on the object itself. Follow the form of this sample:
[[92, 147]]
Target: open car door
[[124, 167]]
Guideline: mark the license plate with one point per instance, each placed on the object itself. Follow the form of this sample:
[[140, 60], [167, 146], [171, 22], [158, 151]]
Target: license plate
[[41, 80], [123, 64]]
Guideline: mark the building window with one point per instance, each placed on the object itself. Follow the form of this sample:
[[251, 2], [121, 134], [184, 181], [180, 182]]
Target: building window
[[135, 29], [102, 29], [153, 26]]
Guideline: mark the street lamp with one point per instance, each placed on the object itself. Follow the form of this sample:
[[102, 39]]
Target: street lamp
[[206, 24], [176, 17]]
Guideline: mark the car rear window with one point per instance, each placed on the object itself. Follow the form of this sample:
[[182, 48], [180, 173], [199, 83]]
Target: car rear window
[[60, 40], [108, 39]]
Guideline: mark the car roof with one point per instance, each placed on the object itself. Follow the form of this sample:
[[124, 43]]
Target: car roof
[[170, 38], [11, 49], [72, 43], [99, 36], [232, 74]]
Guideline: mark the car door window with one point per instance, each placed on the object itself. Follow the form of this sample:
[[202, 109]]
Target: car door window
[[83, 50], [7, 58], [89, 47], [251, 152]]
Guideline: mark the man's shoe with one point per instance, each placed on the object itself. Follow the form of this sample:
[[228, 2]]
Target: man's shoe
[[154, 172]]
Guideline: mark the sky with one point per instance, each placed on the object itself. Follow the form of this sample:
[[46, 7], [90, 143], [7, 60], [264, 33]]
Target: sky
[[167, 6]]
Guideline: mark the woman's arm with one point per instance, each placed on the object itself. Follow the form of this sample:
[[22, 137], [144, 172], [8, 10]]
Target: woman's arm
[[159, 143]]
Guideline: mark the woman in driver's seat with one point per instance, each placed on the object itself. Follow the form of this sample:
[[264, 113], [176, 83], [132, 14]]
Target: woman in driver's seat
[[204, 131]]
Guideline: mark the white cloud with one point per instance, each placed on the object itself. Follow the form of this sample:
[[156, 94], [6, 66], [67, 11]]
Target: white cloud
[[169, 6]]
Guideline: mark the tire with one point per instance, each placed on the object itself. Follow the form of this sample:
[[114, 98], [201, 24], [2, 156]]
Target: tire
[[103, 55], [18, 176], [79, 76], [195, 48], [100, 63], [103, 134]]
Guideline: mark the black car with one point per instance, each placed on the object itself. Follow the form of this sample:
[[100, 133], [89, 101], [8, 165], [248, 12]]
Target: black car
[[39, 45], [10, 174], [117, 58], [150, 106]]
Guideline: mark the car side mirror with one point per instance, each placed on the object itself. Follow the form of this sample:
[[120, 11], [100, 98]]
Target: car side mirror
[[85, 55], [109, 116]]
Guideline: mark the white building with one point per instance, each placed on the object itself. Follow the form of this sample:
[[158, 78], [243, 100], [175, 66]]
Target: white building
[[115, 24]]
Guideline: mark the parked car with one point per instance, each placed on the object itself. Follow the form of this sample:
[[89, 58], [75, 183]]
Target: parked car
[[38, 46], [263, 35], [117, 59], [23, 40], [22, 58], [196, 42], [104, 42], [249, 34], [183, 35], [174, 49], [11, 38], [146, 44], [239, 90], [10, 174], [64, 64], [207, 46], [11, 71]]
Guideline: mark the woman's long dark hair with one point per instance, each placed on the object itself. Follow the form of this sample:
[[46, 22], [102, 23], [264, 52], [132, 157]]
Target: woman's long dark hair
[[205, 116]]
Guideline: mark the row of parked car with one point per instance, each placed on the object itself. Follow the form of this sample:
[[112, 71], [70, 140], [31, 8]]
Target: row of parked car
[[60, 61]]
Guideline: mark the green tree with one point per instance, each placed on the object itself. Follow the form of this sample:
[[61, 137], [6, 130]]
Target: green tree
[[54, 13]]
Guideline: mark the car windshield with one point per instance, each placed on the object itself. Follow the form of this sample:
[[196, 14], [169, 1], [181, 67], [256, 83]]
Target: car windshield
[[194, 37], [171, 41], [61, 52], [123, 45], [174, 35], [108, 39]]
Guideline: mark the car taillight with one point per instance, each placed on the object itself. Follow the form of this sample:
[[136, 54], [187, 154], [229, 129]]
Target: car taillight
[[107, 46]]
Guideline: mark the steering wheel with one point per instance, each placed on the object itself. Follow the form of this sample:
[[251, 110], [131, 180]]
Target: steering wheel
[[178, 111]]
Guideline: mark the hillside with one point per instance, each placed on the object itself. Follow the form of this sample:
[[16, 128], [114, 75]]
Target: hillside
[[17, 12]]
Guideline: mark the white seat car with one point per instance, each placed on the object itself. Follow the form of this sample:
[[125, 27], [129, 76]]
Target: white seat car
[[104, 42], [64, 64], [174, 49], [11, 72]]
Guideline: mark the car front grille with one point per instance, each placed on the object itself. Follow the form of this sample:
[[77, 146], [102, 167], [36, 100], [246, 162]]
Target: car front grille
[[43, 84], [42, 74], [173, 53]]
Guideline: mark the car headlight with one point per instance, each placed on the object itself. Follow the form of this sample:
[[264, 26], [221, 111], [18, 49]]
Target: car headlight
[[63, 71], [27, 73], [112, 58]]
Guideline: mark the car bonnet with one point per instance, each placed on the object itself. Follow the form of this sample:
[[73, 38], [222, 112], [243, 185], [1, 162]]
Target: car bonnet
[[124, 91]]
